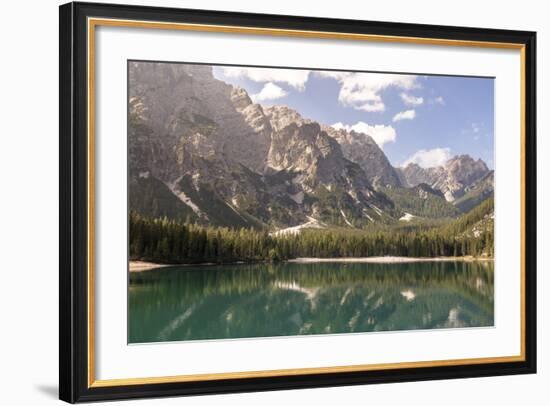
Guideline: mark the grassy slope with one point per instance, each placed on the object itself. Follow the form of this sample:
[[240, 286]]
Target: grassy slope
[[151, 197], [422, 201], [482, 190]]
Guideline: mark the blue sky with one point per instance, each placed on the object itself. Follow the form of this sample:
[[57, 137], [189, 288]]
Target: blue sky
[[413, 118]]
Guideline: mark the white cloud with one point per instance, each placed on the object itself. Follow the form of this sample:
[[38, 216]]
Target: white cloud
[[475, 127], [381, 134], [295, 78], [428, 158], [439, 100], [270, 91], [362, 90], [411, 100], [404, 115]]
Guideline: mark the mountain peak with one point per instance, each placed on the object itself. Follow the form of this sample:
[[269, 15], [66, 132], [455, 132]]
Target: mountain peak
[[412, 165], [361, 148], [281, 116], [467, 160], [240, 98], [452, 179]]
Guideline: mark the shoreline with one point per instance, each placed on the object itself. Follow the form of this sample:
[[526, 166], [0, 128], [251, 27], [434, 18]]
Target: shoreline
[[141, 266], [386, 260]]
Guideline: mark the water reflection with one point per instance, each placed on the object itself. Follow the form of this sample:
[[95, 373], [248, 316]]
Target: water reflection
[[232, 301]]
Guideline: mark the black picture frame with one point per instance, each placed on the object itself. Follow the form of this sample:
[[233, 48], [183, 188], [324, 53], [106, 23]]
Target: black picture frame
[[74, 385]]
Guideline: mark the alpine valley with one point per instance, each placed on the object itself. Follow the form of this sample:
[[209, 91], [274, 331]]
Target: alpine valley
[[202, 151], [248, 220]]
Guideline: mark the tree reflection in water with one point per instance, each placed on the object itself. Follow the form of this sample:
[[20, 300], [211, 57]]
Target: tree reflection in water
[[261, 300]]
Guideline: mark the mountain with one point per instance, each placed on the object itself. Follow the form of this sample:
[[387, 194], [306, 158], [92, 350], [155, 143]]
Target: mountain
[[476, 227], [479, 191], [454, 179], [362, 149], [200, 148], [413, 174], [422, 201]]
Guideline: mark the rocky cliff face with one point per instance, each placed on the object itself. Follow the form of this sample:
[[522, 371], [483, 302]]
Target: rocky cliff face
[[229, 161], [187, 109], [413, 174], [476, 193], [362, 149], [453, 179]]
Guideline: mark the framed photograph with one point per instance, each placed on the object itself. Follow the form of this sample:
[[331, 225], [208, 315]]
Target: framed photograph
[[257, 202]]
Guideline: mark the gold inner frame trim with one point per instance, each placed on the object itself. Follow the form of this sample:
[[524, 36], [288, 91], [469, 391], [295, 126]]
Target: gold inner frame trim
[[94, 22], [300, 371]]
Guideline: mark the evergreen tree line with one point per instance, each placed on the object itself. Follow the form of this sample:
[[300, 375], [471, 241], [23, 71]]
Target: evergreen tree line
[[173, 241]]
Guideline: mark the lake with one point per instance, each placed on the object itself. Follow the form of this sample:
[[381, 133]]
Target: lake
[[264, 300]]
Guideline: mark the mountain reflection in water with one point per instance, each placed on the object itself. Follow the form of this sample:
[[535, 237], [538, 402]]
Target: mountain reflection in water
[[262, 300]]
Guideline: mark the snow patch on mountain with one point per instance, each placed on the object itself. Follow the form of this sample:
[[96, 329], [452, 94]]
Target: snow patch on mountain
[[407, 217], [312, 223], [345, 218], [367, 216], [298, 197], [185, 199]]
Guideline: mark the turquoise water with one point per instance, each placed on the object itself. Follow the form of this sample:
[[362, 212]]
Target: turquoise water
[[262, 300]]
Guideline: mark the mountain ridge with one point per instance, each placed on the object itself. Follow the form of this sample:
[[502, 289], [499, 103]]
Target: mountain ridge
[[232, 162], [453, 178]]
